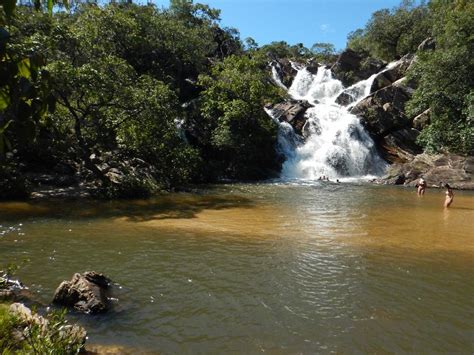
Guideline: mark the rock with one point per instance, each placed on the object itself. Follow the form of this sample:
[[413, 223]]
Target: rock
[[397, 180], [11, 289], [383, 115], [293, 112], [422, 120], [344, 99], [436, 170], [381, 119], [352, 67], [85, 293], [285, 70], [400, 145], [393, 74], [404, 84], [427, 44]]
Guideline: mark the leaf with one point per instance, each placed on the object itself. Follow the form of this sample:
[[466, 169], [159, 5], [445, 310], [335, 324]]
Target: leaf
[[24, 68], [4, 128], [8, 7], [50, 7], [4, 98]]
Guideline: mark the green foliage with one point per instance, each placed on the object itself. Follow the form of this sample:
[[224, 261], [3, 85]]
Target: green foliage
[[241, 133], [393, 33], [34, 338], [323, 52], [282, 49], [12, 182], [7, 326], [448, 96]]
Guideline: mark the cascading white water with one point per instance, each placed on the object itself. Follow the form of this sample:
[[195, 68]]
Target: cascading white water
[[337, 145]]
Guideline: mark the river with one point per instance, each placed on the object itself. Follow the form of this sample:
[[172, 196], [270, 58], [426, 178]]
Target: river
[[274, 267]]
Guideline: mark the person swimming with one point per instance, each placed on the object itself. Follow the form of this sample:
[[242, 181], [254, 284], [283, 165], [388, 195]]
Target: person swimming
[[421, 187], [449, 196]]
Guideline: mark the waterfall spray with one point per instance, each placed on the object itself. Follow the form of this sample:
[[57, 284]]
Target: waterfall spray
[[337, 145]]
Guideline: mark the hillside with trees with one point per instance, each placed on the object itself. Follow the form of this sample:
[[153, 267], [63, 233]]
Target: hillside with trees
[[129, 99]]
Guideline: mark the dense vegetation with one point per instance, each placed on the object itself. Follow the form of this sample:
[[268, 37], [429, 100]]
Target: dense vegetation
[[443, 76], [135, 99]]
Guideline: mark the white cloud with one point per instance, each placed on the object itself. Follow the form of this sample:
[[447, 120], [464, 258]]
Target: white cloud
[[326, 28]]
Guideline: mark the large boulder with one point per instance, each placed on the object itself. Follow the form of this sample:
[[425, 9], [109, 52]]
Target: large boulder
[[400, 145], [85, 293], [352, 67], [435, 169], [383, 111], [383, 115], [293, 112], [392, 74]]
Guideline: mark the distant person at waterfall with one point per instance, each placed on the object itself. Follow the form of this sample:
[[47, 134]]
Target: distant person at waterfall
[[449, 196], [421, 187]]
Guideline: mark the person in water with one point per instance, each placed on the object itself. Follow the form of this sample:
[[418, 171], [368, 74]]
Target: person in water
[[421, 187], [449, 196]]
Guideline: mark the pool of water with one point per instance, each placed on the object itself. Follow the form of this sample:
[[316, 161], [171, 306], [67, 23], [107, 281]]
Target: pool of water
[[247, 268]]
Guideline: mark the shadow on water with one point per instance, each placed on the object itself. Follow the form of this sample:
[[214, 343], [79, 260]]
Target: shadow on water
[[176, 206]]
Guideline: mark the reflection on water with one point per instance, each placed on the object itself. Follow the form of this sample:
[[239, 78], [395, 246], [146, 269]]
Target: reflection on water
[[272, 267]]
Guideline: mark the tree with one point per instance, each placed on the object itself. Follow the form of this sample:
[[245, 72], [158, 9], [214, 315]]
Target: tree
[[392, 33], [323, 52], [243, 136], [448, 96]]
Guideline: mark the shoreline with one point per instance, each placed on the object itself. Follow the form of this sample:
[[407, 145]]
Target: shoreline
[[88, 193]]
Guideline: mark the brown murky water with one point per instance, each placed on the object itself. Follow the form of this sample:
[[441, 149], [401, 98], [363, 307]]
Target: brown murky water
[[280, 268]]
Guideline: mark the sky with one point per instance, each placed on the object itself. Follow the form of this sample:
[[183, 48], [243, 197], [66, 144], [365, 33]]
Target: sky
[[296, 21]]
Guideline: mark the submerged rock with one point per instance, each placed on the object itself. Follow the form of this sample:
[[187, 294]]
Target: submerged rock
[[85, 293]]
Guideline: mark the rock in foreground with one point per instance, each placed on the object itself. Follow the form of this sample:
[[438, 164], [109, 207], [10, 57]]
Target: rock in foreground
[[85, 293]]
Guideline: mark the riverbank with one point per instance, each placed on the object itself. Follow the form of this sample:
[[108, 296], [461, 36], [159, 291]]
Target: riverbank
[[436, 170]]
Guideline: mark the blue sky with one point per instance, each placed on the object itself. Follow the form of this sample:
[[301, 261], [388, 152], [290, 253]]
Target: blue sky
[[296, 21]]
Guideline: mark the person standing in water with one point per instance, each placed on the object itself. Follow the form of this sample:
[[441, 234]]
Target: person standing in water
[[449, 196], [421, 187]]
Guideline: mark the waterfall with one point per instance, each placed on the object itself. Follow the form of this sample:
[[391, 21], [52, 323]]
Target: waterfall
[[276, 77], [337, 145]]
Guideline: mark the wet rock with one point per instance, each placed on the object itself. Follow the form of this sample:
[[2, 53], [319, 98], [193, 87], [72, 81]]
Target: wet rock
[[383, 115], [344, 99], [293, 112], [285, 70], [86, 293], [436, 170], [379, 118], [11, 289], [393, 74], [400, 146], [351, 67]]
